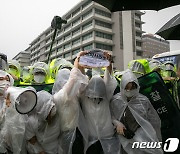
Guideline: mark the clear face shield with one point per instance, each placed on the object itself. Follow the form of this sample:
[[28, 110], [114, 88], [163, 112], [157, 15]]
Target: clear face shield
[[39, 77], [26, 75], [13, 70], [3, 64], [169, 67], [155, 66], [138, 69]]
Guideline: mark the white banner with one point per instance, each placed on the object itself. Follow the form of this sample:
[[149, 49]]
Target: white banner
[[93, 59]]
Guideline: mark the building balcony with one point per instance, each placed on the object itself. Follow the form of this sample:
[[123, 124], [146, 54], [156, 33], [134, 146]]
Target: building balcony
[[138, 38], [103, 29], [76, 45], [103, 18], [104, 41], [138, 48], [87, 41]]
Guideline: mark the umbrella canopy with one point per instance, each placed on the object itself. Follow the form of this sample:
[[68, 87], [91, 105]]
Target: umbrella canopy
[[121, 5], [171, 30]]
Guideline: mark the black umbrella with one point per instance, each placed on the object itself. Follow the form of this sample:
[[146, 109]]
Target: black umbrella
[[121, 5], [171, 30]]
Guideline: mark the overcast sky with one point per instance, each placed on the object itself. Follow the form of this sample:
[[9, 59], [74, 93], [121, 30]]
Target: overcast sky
[[21, 21]]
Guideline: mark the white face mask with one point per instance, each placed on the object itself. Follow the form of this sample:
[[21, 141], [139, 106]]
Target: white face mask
[[130, 93], [3, 86], [39, 78]]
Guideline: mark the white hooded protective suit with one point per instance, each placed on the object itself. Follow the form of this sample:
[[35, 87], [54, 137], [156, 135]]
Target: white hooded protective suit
[[143, 112], [95, 104], [12, 124], [66, 89], [37, 125]]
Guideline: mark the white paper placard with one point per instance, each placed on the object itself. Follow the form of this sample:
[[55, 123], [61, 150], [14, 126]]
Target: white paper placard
[[94, 58]]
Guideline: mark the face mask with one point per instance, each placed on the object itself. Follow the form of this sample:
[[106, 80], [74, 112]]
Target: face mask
[[130, 93], [39, 78], [3, 86], [2, 90]]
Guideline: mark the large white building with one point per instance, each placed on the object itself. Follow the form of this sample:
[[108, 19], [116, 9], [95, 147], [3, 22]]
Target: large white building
[[23, 58], [90, 25]]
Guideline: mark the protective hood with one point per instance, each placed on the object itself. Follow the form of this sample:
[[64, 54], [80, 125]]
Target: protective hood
[[144, 114], [96, 88], [154, 64], [14, 65], [127, 77], [61, 78], [3, 74], [58, 64], [169, 66], [3, 62], [44, 104], [40, 67]]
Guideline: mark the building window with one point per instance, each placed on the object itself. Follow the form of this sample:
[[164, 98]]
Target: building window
[[87, 25], [87, 14], [59, 41], [67, 36], [139, 44], [103, 13], [67, 46], [138, 34], [75, 12], [48, 33], [75, 41], [137, 25], [76, 51], [48, 47], [103, 46], [67, 27], [87, 36], [53, 53], [60, 49], [139, 53], [68, 17], [86, 4], [76, 31], [76, 22], [103, 24], [88, 47], [59, 32], [138, 16], [48, 40], [67, 55], [103, 35]]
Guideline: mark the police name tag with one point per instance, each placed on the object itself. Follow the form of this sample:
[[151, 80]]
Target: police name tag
[[94, 59]]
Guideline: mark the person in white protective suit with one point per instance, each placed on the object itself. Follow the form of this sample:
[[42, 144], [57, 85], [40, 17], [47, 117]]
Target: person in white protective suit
[[67, 88], [95, 105], [43, 127], [12, 124], [135, 118]]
